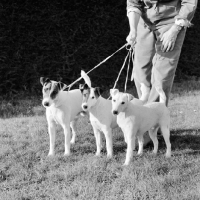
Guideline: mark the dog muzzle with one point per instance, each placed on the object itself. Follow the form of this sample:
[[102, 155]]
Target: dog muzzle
[[115, 112], [85, 106]]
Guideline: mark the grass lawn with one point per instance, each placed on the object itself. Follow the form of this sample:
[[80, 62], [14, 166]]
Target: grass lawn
[[27, 173]]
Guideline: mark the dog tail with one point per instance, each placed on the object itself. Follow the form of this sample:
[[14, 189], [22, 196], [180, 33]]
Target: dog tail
[[162, 95]]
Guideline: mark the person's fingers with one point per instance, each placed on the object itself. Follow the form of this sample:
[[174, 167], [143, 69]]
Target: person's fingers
[[130, 40], [164, 45], [169, 45], [172, 47], [162, 37]]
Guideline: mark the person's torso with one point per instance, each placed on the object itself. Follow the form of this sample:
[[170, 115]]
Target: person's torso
[[160, 10]]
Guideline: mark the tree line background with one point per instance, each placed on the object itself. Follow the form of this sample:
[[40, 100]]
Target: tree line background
[[59, 38]]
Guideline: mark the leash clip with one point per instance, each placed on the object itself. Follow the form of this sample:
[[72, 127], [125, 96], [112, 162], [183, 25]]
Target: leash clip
[[130, 46]]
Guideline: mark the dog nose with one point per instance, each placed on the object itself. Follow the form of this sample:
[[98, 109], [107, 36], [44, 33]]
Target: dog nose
[[85, 106], [46, 103], [115, 112]]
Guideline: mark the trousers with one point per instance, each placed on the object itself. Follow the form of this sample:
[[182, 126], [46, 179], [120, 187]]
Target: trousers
[[151, 66]]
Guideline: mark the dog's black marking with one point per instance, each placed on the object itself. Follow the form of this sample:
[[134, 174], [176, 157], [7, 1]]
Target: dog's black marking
[[44, 80], [55, 88], [97, 91], [83, 87]]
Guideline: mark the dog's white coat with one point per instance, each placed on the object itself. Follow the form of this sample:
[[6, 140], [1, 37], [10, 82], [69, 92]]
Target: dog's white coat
[[101, 119], [135, 120], [63, 110]]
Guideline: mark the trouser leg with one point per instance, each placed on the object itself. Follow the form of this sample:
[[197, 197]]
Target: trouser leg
[[165, 64], [144, 52]]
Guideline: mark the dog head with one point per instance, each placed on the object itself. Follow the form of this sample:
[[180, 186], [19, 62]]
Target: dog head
[[119, 101], [50, 90], [90, 96]]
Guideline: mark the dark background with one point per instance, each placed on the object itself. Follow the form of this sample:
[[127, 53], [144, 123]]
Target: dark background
[[59, 38]]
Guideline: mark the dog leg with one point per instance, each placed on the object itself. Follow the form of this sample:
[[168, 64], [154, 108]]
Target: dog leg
[[74, 130], [98, 138], [125, 136], [140, 143], [52, 132], [153, 136], [109, 143], [67, 133], [125, 139], [130, 146], [166, 134]]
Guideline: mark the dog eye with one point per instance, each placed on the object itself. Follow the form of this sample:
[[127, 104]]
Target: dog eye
[[92, 97], [114, 100], [123, 102]]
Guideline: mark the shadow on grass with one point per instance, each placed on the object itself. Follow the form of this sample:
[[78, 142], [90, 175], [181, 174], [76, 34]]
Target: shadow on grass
[[183, 141], [186, 139]]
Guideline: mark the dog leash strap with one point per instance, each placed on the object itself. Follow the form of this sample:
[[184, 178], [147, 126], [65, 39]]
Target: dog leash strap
[[106, 59], [120, 72], [130, 53], [69, 86]]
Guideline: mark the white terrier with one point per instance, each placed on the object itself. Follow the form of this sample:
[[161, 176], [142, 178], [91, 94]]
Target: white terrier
[[135, 120], [62, 107], [101, 117], [100, 112]]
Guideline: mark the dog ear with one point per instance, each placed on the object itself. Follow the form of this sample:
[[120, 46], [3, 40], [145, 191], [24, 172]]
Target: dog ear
[[61, 85], [83, 87], [97, 91], [86, 79], [113, 92], [44, 80], [130, 97]]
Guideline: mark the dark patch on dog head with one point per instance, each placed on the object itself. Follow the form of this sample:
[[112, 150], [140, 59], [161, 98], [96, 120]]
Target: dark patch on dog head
[[46, 88], [97, 91], [55, 88], [52, 88], [83, 87], [85, 90], [44, 80], [61, 85]]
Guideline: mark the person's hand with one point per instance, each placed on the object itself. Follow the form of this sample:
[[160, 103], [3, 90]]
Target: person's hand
[[131, 38], [168, 39]]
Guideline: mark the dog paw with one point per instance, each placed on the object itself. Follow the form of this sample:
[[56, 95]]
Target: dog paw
[[125, 164], [168, 155], [72, 142], [67, 154], [50, 154], [109, 156], [98, 154], [139, 153]]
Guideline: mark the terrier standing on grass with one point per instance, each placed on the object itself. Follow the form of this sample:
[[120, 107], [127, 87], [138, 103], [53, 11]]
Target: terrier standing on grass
[[100, 112], [135, 120], [62, 107]]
